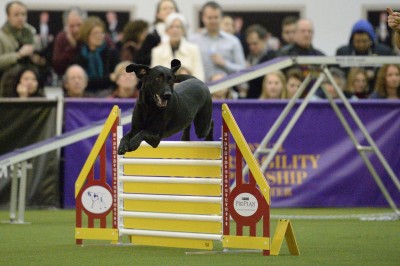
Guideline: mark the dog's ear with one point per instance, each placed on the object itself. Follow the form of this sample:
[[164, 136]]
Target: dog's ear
[[140, 70], [175, 65]]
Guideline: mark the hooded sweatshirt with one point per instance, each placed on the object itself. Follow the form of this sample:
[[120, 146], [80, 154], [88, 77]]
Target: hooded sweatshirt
[[364, 26]]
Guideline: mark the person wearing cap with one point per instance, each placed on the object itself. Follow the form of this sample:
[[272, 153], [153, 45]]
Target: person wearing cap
[[177, 47], [363, 42]]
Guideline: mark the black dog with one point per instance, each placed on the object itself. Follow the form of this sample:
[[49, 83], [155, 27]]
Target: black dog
[[163, 110]]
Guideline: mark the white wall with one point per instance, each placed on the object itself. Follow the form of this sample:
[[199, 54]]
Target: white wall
[[333, 19]]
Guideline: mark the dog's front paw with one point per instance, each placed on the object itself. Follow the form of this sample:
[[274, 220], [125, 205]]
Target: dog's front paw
[[134, 144], [123, 146], [153, 141]]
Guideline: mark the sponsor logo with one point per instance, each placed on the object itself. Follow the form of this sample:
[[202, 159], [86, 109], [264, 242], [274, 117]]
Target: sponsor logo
[[245, 204]]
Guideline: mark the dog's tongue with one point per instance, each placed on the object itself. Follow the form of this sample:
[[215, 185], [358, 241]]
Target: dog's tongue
[[160, 102]]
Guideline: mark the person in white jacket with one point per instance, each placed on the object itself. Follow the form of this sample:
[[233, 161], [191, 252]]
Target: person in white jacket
[[177, 47]]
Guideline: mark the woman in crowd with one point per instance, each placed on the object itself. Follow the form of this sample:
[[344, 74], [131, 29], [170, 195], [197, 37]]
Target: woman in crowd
[[134, 34], [274, 86], [22, 82], [96, 56], [357, 83], [294, 77], [158, 34], [125, 83], [387, 84], [178, 47], [164, 8]]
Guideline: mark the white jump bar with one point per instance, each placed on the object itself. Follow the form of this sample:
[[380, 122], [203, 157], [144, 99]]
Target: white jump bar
[[172, 216], [185, 144], [170, 162], [171, 198], [169, 234], [170, 180]]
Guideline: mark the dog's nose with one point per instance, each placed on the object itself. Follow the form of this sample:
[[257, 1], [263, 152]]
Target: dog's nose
[[167, 95]]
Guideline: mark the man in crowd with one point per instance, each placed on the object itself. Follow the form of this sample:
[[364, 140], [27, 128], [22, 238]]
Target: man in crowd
[[303, 37], [75, 81], [16, 38], [220, 51], [363, 42], [66, 43], [256, 38], [288, 30]]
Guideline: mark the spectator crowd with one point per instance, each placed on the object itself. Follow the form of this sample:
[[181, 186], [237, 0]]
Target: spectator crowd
[[88, 57]]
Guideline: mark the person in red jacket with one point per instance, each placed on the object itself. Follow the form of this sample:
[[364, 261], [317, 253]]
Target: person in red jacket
[[66, 43]]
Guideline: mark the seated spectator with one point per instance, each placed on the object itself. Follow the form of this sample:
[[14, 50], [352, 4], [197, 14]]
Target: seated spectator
[[75, 81], [17, 39], [357, 83], [178, 48], [256, 38], [220, 51], [96, 56], [288, 30], [134, 35], [21, 82], [125, 83], [66, 43], [363, 42], [274, 86], [302, 41], [294, 77], [387, 84], [226, 93], [340, 79]]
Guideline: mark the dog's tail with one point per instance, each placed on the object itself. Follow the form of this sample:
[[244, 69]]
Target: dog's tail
[[182, 77]]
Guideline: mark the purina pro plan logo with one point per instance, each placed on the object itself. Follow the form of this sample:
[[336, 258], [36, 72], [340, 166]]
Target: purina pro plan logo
[[245, 204]]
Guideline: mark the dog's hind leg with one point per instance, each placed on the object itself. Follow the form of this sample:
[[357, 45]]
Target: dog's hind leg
[[210, 134], [186, 134], [203, 123]]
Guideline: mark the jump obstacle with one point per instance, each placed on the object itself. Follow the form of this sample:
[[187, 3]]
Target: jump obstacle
[[177, 195]]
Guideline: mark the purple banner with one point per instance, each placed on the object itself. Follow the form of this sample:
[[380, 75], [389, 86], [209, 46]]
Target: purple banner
[[317, 165]]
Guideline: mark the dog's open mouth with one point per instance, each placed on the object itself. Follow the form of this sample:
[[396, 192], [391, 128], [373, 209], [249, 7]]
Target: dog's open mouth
[[159, 101]]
